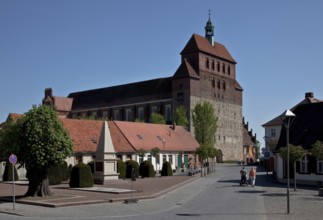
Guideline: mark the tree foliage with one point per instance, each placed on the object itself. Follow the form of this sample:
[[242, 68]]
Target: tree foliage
[[40, 141], [180, 116], [295, 153], [205, 124], [8, 134], [157, 119], [317, 150]]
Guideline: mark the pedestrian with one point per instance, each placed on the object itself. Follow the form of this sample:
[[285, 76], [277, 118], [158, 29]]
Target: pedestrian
[[243, 174], [252, 176]]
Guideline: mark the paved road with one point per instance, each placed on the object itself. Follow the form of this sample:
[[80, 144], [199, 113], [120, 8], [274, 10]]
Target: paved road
[[217, 196]]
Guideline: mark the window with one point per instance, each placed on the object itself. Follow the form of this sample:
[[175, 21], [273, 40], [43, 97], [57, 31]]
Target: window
[[223, 85], [213, 65], [128, 115], [180, 97], [168, 112], [320, 166], [164, 158], [223, 68], [154, 109], [229, 69], [170, 158], [140, 113], [213, 82], [116, 114], [149, 157], [304, 165], [218, 66], [273, 132], [207, 63], [219, 84]]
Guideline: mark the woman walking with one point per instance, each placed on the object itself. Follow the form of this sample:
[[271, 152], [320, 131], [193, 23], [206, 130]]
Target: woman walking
[[252, 176]]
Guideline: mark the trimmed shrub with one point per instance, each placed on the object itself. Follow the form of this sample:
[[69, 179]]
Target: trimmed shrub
[[132, 164], [54, 175], [91, 164], [81, 176], [167, 169], [146, 169], [7, 175], [65, 173], [121, 169]]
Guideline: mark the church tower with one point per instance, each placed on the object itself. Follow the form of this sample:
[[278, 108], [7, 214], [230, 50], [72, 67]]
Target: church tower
[[208, 73], [209, 31]]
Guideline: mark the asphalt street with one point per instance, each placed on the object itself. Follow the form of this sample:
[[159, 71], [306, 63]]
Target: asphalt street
[[216, 196]]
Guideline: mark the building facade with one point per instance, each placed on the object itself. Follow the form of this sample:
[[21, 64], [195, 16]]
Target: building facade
[[207, 73]]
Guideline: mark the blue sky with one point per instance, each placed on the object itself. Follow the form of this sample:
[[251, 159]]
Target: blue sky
[[78, 45]]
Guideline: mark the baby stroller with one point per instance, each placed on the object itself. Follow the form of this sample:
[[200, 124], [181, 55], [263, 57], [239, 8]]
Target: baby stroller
[[243, 181]]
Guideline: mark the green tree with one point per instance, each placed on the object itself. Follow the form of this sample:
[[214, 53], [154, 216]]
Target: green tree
[[205, 126], [157, 118], [317, 150], [8, 135], [155, 153], [180, 117], [295, 153], [42, 142]]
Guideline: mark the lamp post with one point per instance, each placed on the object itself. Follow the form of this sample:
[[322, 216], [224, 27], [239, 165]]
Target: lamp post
[[287, 118]]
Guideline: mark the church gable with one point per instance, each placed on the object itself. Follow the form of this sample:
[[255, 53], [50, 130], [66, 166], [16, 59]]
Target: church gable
[[198, 43]]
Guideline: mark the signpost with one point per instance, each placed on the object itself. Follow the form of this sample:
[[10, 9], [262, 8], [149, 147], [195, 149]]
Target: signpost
[[13, 161]]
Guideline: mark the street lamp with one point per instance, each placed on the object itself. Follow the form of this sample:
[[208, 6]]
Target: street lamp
[[287, 118]]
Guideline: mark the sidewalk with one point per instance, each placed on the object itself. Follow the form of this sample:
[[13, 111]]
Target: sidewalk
[[113, 191]]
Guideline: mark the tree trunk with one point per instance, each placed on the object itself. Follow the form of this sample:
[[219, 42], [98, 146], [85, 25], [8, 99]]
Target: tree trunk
[[38, 183]]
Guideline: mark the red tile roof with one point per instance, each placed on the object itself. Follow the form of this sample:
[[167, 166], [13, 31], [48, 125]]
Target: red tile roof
[[63, 103], [85, 134], [198, 42], [148, 136]]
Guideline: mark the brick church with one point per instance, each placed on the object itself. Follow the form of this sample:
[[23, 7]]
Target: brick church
[[207, 72]]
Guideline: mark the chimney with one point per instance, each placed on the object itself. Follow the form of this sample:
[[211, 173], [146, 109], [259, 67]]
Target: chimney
[[309, 95]]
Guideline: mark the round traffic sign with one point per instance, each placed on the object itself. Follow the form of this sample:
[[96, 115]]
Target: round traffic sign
[[13, 159]]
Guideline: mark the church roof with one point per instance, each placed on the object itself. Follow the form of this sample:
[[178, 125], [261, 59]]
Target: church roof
[[185, 70], [199, 43], [122, 94]]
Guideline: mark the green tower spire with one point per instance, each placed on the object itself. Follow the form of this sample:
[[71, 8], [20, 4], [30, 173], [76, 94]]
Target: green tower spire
[[209, 30]]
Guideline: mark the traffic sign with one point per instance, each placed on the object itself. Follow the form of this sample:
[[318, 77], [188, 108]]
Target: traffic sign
[[13, 159]]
